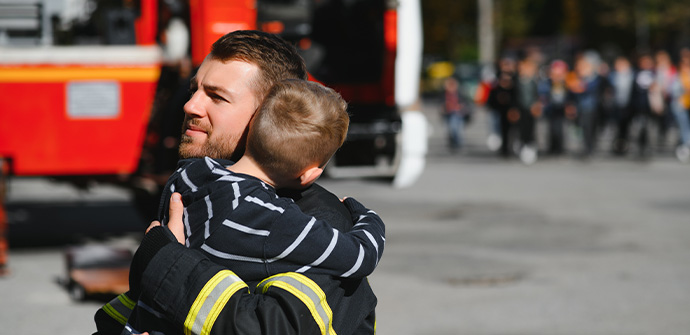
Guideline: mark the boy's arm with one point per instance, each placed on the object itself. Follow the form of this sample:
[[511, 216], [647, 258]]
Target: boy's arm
[[297, 238]]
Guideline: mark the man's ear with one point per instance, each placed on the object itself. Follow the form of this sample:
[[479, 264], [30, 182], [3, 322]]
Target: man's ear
[[310, 175]]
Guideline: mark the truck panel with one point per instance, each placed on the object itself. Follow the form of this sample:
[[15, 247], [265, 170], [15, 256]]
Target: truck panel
[[70, 119]]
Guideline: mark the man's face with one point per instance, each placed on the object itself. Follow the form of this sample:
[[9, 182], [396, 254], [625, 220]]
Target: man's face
[[219, 110], [622, 65]]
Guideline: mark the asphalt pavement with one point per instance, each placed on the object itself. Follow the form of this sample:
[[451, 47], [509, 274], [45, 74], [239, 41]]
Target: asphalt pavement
[[478, 245]]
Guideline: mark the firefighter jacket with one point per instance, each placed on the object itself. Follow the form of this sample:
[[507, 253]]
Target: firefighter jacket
[[200, 297]]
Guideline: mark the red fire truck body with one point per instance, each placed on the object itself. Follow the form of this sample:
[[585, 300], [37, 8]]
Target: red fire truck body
[[64, 116], [74, 110]]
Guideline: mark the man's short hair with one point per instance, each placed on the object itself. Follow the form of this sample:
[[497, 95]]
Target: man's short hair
[[300, 124], [275, 58]]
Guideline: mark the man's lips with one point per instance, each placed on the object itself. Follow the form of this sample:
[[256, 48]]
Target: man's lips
[[192, 130]]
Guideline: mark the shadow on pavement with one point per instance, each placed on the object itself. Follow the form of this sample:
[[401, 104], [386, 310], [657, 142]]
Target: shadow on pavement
[[51, 223]]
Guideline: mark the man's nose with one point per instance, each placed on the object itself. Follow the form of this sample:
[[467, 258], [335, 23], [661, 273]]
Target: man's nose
[[194, 106]]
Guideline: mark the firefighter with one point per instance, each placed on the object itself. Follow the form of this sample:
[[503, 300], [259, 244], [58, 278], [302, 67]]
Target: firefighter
[[200, 297]]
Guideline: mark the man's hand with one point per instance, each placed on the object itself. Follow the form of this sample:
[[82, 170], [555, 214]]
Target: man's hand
[[175, 214], [153, 224]]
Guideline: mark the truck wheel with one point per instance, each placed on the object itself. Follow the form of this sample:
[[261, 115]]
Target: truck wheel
[[77, 292]]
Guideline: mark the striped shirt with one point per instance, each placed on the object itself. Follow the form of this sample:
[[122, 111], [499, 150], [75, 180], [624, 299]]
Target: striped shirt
[[240, 223]]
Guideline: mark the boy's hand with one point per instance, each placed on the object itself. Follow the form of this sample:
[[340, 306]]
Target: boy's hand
[[175, 223]]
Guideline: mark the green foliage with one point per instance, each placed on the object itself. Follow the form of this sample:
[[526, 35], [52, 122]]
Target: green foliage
[[451, 25], [450, 28]]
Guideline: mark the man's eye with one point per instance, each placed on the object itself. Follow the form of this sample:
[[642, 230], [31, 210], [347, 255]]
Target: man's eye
[[216, 98]]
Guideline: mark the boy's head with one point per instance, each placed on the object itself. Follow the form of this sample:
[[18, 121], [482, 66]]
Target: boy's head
[[296, 130]]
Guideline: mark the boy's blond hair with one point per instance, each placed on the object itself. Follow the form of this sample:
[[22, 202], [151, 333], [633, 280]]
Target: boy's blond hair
[[299, 125]]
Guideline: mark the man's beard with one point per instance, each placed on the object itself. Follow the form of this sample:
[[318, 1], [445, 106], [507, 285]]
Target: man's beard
[[224, 147]]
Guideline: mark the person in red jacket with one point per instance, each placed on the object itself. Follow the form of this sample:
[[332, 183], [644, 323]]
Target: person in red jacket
[[201, 297]]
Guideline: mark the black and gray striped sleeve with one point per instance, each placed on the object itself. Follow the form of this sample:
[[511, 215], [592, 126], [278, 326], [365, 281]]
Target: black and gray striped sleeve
[[301, 243]]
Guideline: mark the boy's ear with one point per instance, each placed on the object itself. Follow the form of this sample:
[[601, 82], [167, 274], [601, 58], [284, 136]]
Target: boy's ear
[[310, 175]]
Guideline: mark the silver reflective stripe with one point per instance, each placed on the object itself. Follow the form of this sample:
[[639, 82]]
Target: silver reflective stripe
[[129, 330], [309, 293], [150, 309], [211, 301]]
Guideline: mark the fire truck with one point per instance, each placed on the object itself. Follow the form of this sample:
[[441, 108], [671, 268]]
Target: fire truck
[[79, 80]]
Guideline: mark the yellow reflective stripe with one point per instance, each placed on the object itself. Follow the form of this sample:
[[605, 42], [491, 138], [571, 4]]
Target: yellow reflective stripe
[[125, 300], [114, 314], [120, 308], [210, 301], [309, 293], [376, 321]]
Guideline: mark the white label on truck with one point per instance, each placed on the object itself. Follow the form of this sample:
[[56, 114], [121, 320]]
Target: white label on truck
[[93, 99]]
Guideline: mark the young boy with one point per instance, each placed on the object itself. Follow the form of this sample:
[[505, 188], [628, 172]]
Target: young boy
[[232, 211], [291, 138]]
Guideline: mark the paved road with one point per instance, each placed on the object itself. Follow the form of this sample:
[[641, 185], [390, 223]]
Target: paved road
[[557, 248], [481, 245]]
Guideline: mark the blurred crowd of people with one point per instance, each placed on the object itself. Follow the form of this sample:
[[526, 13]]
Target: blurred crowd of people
[[634, 100]]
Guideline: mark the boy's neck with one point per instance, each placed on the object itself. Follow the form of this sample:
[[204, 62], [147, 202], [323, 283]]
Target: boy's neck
[[248, 166]]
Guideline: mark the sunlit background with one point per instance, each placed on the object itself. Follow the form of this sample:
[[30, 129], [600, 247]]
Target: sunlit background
[[504, 214]]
